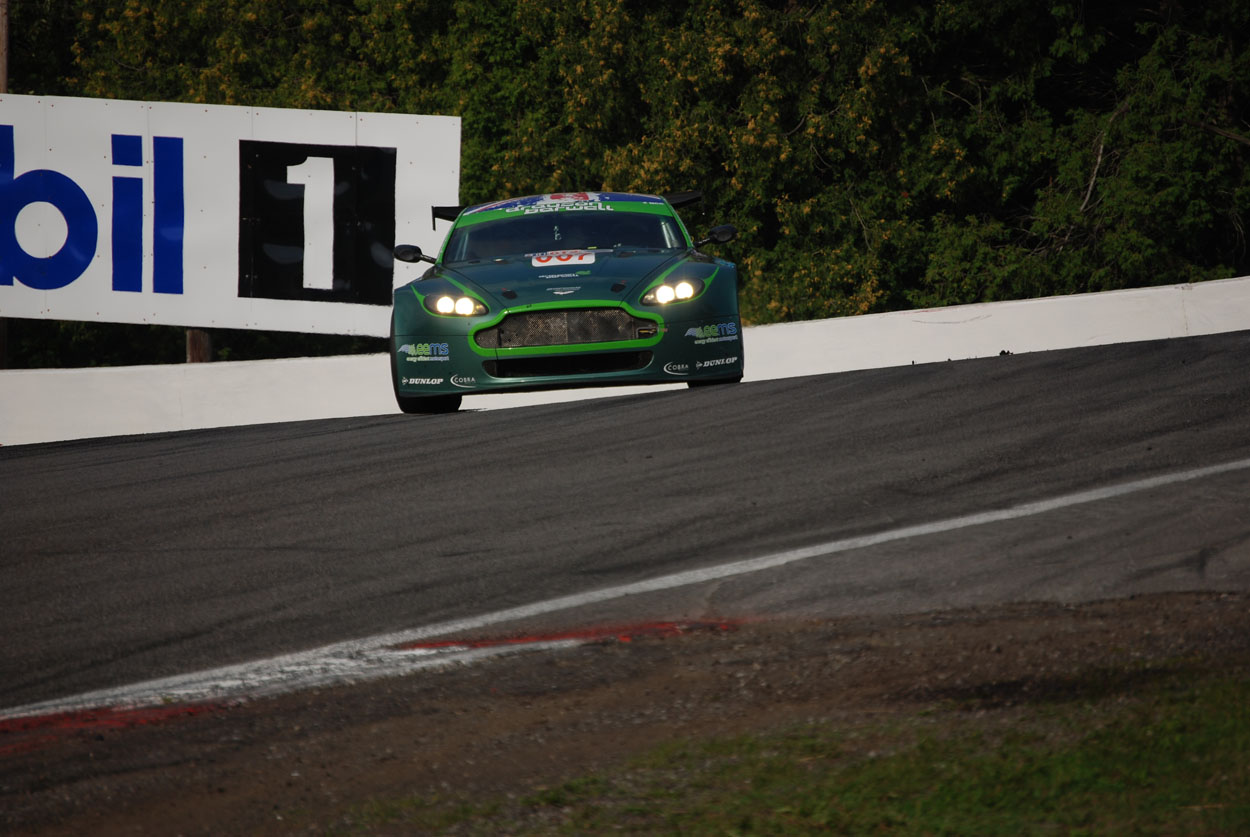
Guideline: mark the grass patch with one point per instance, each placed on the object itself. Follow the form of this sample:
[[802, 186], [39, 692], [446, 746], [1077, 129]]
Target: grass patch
[[1171, 757]]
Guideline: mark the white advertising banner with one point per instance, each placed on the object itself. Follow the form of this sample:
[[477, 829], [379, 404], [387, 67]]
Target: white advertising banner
[[215, 216]]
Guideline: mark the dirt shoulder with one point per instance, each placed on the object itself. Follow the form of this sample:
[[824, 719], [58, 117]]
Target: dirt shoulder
[[516, 723]]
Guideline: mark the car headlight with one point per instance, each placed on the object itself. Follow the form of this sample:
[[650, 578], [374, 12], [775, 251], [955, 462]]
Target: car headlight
[[673, 290], [452, 306]]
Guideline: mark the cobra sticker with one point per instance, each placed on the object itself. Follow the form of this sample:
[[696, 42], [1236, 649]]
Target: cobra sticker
[[464, 381], [562, 257], [677, 368]]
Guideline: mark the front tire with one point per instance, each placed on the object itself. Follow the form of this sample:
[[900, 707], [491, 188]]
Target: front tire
[[712, 383], [428, 404]]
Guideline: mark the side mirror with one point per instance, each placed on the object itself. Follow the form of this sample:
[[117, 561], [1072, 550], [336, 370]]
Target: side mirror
[[411, 253], [719, 235]]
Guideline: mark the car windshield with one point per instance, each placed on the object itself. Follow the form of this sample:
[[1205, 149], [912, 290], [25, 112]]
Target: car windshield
[[544, 232]]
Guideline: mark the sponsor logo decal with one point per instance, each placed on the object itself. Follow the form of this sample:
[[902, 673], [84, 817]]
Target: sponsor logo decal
[[720, 361], [79, 221], [677, 368], [417, 352], [464, 381], [425, 382], [582, 206], [563, 202], [565, 291], [562, 257], [716, 333]]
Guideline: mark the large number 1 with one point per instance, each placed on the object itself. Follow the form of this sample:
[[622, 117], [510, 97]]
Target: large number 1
[[316, 175]]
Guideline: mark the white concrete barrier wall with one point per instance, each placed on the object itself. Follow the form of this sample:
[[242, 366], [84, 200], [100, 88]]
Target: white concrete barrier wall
[[46, 405]]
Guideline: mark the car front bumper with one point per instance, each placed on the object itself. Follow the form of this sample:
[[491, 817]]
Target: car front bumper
[[705, 348]]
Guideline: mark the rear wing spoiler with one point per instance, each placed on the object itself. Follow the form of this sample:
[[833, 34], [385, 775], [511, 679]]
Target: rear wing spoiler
[[679, 199], [444, 213]]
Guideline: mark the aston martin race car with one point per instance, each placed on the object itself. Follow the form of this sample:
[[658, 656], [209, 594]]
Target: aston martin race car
[[564, 290]]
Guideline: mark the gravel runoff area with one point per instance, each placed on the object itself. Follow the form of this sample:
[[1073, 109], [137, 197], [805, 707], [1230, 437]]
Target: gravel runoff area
[[300, 763]]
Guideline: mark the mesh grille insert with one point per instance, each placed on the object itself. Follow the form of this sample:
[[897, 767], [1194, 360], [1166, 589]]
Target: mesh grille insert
[[564, 327]]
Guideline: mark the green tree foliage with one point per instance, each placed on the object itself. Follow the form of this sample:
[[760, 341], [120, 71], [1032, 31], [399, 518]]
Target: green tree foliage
[[41, 40], [875, 154]]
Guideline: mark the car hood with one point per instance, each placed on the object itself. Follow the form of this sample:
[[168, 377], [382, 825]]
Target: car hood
[[568, 276]]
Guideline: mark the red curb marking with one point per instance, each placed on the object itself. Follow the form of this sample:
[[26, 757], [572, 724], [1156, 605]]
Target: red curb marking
[[35, 731]]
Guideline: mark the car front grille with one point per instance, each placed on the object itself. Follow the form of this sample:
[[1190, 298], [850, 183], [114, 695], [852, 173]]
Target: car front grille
[[564, 327], [591, 363]]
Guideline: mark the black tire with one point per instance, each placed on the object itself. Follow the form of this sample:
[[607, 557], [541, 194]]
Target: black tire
[[712, 383], [418, 404], [428, 404]]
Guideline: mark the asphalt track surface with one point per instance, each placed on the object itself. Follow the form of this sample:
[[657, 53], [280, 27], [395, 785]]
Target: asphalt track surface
[[140, 557]]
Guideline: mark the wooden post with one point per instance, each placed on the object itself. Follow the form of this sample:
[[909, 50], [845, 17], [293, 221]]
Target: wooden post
[[4, 88], [4, 46], [199, 346]]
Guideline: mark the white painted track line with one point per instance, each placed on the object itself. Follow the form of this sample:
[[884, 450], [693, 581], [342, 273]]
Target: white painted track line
[[376, 656]]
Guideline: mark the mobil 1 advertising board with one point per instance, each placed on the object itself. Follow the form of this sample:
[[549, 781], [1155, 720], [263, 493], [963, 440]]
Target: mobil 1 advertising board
[[214, 216]]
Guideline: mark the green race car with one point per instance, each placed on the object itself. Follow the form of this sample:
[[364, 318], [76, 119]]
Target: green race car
[[564, 290]]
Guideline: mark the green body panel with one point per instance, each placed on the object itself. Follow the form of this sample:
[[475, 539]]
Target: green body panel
[[696, 339]]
